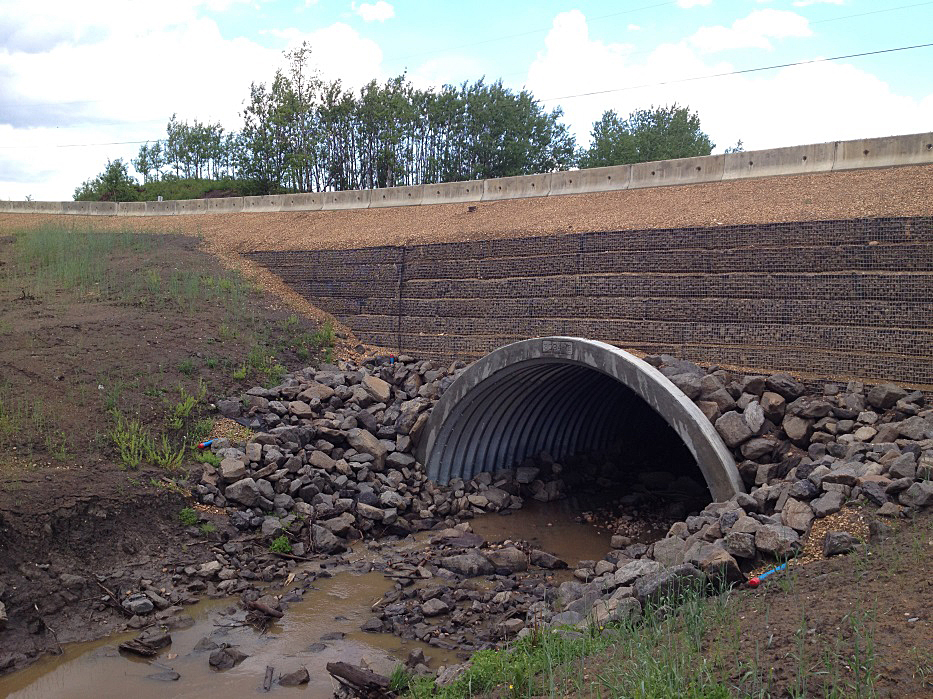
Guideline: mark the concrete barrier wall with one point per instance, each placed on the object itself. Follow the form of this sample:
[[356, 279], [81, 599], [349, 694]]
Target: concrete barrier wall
[[224, 205], [673, 172], [796, 160], [914, 149], [597, 179], [911, 149], [752, 296], [453, 192], [519, 187], [131, 208], [397, 196], [355, 199], [161, 208]]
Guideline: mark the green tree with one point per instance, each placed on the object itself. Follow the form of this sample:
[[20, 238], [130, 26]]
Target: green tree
[[659, 133], [113, 184]]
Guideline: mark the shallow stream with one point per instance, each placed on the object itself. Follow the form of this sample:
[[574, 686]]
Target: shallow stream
[[337, 605]]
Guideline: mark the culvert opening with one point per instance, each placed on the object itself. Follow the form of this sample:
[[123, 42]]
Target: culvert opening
[[578, 436], [609, 420]]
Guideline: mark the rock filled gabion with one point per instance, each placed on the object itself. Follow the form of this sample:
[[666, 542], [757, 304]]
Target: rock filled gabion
[[333, 461]]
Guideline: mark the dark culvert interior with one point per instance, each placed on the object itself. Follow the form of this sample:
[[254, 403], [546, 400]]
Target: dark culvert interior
[[609, 453]]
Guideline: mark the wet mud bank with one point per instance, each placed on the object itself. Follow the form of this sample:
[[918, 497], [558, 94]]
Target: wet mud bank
[[327, 492]]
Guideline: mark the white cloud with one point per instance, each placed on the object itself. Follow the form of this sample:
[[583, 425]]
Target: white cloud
[[792, 106], [379, 11], [69, 77], [693, 3], [753, 31], [634, 28]]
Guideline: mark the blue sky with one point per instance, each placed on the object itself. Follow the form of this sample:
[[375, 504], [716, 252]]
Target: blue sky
[[104, 71]]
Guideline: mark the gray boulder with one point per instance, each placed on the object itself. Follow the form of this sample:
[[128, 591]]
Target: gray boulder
[[245, 492], [777, 540], [469, 564], [884, 396], [733, 429], [668, 584]]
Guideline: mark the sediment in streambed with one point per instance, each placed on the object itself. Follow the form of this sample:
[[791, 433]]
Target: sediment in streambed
[[333, 462]]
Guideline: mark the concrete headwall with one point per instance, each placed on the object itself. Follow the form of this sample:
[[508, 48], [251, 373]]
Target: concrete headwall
[[911, 149], [836, 299]]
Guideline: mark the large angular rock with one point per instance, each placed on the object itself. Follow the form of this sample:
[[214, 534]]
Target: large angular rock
[[435, 607], [754, 417], [633, 570], [668, 584], [615, 609], [300, 409], [733, 429], [688, 383], [469, 564], [245, 491], [920, 494], [380, 390], [777, 540], [915, 428], [884, 396], [835, 543], [543, 559], [369, 511], [670, 551], [316, 391], [295, 678], [797, 429], [324, 541], [225, 658], [718, 564], [904, 466], [740, 544], [509, 558], [773, 405], [786, 386], [797, 515], [366, 442], [828, 503], [232, 470]]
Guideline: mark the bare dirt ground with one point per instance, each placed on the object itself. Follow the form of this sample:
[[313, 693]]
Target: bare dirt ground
[[155, 331]]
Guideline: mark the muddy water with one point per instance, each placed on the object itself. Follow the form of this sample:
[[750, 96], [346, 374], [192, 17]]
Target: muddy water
[[338, 604], [552, 527]]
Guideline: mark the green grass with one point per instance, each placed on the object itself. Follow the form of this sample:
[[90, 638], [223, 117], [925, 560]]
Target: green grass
[[656, 657], [24, 422], [180, 411], [135, 445], [260, 361], [49, 258], [188, 516], [685, 647], [280, 544], [204, 456]]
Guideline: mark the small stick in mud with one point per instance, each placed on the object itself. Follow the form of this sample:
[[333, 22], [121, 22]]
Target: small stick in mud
[[114, 601], [267, 681]]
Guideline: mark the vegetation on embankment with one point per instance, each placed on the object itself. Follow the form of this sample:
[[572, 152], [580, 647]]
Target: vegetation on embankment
[[301, 133], [133, 333], [849, 626]]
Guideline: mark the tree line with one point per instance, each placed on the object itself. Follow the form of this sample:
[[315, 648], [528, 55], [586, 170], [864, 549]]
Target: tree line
[[301, 133]]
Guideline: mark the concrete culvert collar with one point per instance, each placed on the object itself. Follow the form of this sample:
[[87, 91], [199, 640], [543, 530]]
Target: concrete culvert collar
[[564, 396]]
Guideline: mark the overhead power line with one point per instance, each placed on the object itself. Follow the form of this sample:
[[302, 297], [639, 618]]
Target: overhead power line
[[675, 81], [736, 72]]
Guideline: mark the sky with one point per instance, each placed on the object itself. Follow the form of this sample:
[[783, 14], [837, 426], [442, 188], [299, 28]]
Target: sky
[[85, 81]]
